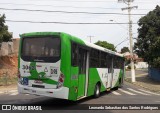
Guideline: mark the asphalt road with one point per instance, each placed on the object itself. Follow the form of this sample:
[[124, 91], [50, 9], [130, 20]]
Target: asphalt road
[[128, 94]]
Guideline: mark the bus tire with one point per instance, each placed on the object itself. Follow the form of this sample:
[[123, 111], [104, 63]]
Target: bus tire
[[97, 91], [116, 88], [120, 83]]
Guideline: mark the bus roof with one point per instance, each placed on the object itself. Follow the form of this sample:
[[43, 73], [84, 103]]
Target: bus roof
[[103, 49], [72, 38]]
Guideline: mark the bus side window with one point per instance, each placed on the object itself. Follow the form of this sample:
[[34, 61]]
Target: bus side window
[[74, 48], [94, 58], [103, 60], [121, 63], [117, 63], [82, 61], [109, 63]]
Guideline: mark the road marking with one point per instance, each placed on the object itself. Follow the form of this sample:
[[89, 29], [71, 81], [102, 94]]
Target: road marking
[[127, 92], [14, 93], [115, 93], [149, 92], [137, 91]]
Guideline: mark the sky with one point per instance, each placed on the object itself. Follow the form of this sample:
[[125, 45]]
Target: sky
[[109, 11]]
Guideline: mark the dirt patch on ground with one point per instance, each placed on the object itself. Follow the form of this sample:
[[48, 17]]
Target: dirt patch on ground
[[9, 65]]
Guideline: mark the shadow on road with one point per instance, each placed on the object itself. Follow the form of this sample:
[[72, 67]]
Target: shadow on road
[[62, 104]]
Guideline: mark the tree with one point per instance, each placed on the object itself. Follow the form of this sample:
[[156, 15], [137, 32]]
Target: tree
[[5, 36], [148, 42], [106, 45], [124, 49]]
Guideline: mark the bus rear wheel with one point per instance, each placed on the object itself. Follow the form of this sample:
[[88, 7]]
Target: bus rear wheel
[[97, 91], [120, 83]]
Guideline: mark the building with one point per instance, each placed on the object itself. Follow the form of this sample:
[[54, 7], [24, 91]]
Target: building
[[139, 62]]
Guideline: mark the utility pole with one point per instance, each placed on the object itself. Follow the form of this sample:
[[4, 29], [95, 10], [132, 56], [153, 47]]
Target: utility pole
[[129, 8], [90, 38]]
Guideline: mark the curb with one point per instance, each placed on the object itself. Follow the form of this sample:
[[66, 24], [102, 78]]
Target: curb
[[144, 74], [142, 86]]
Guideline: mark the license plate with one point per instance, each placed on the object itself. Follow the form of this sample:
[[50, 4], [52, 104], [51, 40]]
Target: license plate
[[38, 81], [25, 81], [33, 91]]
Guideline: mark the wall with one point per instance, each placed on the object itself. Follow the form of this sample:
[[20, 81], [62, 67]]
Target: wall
[[9, 48], [16, 45], [141, 65], [154, 74]]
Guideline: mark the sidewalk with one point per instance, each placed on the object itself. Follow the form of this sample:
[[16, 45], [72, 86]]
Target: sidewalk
[[144, 81]]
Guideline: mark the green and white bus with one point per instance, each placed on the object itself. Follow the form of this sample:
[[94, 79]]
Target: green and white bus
[[59, 65]]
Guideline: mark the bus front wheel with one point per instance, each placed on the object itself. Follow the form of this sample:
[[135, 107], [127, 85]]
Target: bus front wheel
[[97, 91]]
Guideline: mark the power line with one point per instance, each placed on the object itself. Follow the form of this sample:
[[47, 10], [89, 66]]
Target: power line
[[120, 25], [93, 1], [51, 11], [121, 42], [74, 1], [45, 22], [65, 6], [58, 6]]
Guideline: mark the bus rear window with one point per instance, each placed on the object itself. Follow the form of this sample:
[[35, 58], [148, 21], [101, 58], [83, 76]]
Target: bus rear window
[[41, 49]]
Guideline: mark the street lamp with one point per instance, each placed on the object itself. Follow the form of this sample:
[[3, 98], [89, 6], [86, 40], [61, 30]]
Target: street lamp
[[90, 38], [119, 24]]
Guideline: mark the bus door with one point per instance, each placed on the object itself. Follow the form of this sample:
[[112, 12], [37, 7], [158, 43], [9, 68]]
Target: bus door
[[115, 71], [83, 60], [112, 72], [109, 67]]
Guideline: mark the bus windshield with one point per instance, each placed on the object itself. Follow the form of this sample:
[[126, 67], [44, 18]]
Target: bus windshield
[[41, 49]]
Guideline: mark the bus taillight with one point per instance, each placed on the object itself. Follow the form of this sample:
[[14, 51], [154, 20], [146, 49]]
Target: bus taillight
[[60, 81]]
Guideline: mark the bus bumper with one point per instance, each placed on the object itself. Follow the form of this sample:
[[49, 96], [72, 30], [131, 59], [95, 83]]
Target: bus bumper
[[56, 93]]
